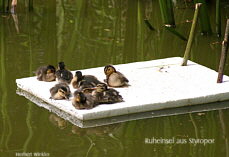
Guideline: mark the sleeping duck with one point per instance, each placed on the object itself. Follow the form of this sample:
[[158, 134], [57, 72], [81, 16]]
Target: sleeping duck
[[105, 95], [60, 91], [62, 74], [83, 101], [46, 73], [84, 81], [115, 78]]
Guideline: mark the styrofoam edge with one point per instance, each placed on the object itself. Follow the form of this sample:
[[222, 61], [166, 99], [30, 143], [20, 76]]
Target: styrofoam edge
[[144, 108], [124, 118]]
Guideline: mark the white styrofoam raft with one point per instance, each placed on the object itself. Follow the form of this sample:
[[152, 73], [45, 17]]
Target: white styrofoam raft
[[156, 84]]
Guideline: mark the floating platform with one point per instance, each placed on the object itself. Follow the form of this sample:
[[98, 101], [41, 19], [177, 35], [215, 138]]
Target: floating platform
[[128, 117], [155, 85]]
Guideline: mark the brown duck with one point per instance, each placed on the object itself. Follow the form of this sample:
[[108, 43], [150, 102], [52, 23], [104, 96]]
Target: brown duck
[[63, 75], [60, 91], [84, 81], [105, 95], [83, 101], [115, 78], [46, 73]]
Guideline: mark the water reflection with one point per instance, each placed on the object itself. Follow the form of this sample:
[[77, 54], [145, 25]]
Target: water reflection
[[96, 138], [98, 131], [224, 131], [57, 121], [6, 130]]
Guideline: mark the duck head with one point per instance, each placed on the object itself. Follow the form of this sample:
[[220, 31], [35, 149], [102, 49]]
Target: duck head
[[79, 75], [51, 69], [109, 69], [61, 65], [101, 87], [79, 97], [63, 92]]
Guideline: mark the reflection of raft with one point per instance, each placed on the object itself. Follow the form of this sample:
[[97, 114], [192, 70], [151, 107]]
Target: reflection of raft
[[156, 84], [98, 130]]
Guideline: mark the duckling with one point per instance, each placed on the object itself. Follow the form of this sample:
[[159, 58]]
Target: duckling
[[83, 101], [85, 85], [115, 78], [87, 90], [60, 91], [46, 73], [88, 80], [105, 95], [62, 74]]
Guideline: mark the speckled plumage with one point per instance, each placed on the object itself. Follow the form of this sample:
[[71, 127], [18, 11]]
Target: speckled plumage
[[105, 95], [84, 81], [46, 73], [83, 101], [60, 91]]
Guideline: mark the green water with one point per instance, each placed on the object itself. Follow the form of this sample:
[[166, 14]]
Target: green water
[[94, 33]]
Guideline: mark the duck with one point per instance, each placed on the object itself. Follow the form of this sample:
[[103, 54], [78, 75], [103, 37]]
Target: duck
[[63, 75], [46, 73], [105, 95], [85, 85], [83, 101], [84, 81], [115, 78], [60, 91]]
